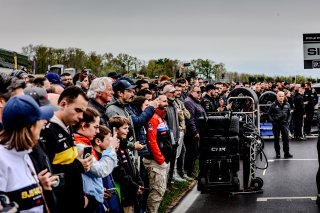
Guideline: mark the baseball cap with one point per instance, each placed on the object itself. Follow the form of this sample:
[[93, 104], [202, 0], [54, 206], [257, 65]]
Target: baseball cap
[[153, 86], [113, 75], [122, 85], [21, 74], [54, 78], [23, 110], [168, 88], [210, 87], [40, 95], [127, 79]]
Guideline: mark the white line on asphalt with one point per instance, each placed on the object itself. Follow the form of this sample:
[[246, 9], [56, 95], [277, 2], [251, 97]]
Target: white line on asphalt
[[307, 159], [264, 171], [264, 199]]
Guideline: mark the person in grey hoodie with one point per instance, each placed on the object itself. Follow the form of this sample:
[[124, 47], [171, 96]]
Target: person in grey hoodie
[[173, 123]]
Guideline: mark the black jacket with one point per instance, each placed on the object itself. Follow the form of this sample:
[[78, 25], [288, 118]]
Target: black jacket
[[209, 104], [312, 99], [102, 111], [127, 175], [279, 114], [196, 111], [62, 152], [41, 161], [298, 104]]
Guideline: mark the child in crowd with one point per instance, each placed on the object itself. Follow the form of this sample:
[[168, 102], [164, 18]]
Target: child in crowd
[[102, 166], [126, 174], [101, 142]]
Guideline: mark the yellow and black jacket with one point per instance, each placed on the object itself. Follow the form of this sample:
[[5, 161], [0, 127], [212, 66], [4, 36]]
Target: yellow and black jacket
[[60, 147]]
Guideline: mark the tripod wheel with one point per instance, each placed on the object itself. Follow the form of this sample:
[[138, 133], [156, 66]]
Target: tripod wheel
[[257, 183]]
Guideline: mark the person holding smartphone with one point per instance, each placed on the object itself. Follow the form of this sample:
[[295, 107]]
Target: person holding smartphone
[[85, 131], [102, 141]]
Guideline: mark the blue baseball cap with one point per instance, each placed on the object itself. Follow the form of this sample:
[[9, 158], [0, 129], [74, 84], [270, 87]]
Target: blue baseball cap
[[54, 78], [21, 111], [121, 85]]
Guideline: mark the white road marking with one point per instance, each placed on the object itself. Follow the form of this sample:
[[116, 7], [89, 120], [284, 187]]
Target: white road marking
[[264, 171], [306, 159], [264, 199]]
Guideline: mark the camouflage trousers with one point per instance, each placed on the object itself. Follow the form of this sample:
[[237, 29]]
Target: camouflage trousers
[[158, 176]]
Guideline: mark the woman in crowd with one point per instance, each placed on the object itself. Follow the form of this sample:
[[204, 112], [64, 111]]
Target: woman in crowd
[[23, 120]]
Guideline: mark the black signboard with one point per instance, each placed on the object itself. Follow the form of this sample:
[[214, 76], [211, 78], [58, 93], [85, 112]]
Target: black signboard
[[311, 50]]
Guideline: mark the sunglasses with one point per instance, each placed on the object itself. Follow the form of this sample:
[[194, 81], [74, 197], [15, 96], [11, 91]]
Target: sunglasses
[[198, 92]]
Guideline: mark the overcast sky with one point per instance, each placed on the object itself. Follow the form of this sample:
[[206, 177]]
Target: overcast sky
[[249, 36]]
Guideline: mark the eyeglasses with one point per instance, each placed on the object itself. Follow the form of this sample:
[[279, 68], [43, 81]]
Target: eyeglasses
[[198, 92], [96, 127]]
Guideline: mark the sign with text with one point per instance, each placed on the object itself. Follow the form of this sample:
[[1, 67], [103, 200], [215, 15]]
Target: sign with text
[[311, 50]]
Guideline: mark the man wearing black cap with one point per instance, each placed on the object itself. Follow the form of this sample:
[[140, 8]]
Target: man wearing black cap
[[123, 96], [209, 102], [114, 76]]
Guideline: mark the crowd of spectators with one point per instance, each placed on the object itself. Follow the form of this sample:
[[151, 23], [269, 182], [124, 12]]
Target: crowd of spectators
[[141, 135]]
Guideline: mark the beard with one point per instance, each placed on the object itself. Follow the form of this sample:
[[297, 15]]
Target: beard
[[162, 107]]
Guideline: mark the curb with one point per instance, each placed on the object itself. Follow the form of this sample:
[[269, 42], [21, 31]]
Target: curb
[[177, 201]]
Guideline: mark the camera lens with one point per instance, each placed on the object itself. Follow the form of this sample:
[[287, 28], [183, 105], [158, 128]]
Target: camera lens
[[58, 182]]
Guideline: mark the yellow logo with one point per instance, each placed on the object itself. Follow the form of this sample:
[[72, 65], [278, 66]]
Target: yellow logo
[[31, 193]]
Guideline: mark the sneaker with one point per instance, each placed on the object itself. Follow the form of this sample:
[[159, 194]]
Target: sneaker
[[301, 139], [288, 155], [178, 178], [186, 177], [278, 156]]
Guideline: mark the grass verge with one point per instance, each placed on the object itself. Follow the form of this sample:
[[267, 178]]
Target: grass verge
[[172, 196]]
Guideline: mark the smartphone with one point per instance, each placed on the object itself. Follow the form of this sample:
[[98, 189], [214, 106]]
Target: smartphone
[[87, 152], [114, 131], [112, 191]]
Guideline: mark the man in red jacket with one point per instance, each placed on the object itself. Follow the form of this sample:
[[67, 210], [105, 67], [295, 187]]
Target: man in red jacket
[[157, 163]]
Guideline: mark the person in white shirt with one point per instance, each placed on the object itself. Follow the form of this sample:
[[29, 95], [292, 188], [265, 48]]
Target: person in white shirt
[[23, 120]]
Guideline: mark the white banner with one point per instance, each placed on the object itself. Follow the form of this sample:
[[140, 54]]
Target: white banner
[[311, 51]]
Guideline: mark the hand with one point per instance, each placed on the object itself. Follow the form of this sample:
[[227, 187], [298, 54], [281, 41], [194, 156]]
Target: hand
[[138, 146], [140, 190], [229, 106], [154, 103], [87, 162], [106, 194], [197, 135], [47, 180], [114, 142], [86, 201]]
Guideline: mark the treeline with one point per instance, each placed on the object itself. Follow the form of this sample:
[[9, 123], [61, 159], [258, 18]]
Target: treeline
[[125, 64]]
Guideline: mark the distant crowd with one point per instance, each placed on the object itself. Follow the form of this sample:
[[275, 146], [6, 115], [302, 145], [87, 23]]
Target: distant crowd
[[112, 144]]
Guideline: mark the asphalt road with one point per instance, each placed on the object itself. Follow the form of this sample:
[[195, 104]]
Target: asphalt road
[[289, 186]]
